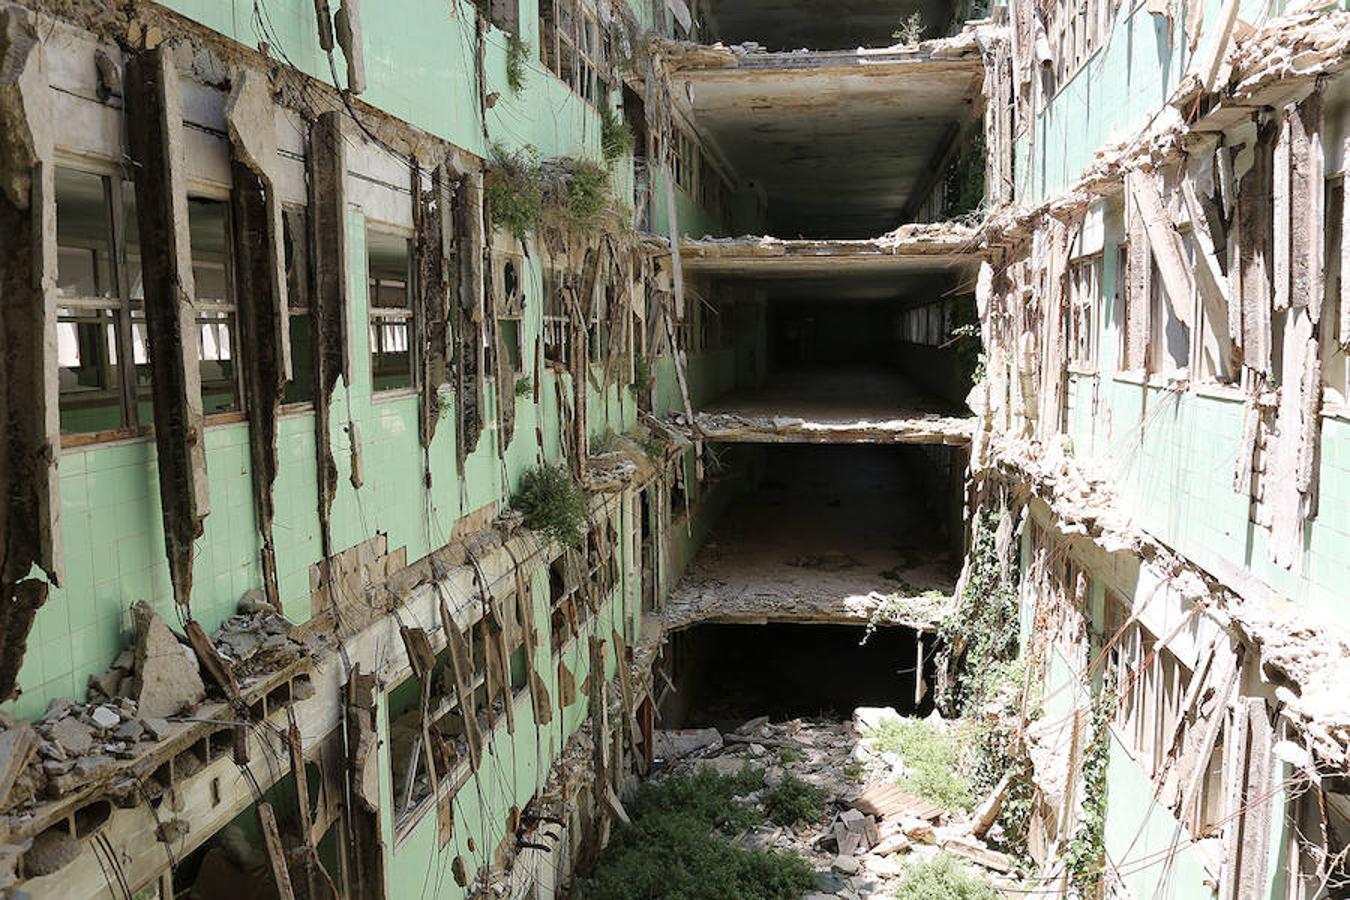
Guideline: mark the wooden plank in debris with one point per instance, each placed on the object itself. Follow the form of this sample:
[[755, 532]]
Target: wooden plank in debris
[[461, 666], [276, 853], [17, 746], [216, 666], [887, 800], [420, 655]]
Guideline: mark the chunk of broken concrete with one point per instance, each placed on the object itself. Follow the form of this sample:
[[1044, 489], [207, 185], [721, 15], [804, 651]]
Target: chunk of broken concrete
[[846, 865], [169, 680], [870, 718], [72, 736], [52, 851], [156, 729], [105, 717], [672, 744]]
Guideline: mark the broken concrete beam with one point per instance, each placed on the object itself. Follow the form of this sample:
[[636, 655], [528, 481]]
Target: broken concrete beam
[[167, 672], [30, 441], [675, 743], [155, 131]]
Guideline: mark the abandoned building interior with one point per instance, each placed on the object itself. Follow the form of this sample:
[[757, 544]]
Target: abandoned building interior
[[436, 434]]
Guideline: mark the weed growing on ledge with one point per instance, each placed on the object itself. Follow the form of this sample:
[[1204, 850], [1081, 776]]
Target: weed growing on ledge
[[577, 194], [793, 801], [678, 846], [616, 137], [524, 387], [553, 504], [515, 190], [517, 57], [910, 31]]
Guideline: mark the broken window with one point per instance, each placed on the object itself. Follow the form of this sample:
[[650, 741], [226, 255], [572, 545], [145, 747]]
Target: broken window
[[685, 162], [101, 319], [295, 230], [389, 282], [556, 326], [217, 313], [566, 613], [574, 46], [1170, 338], [1085, 278], [1335, 340]]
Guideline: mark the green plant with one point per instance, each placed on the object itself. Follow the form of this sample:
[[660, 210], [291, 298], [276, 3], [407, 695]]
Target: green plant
[[576, 194], [944, 877], [793, 800], [853, 771], [911, 29], [677, 846], [789, 755], [1087, 848], [616, 137], [642, 375], [517, 57], [981, 631], [932, 757], [606, 443], [514, 188], [524, 386], [553, 503], [444, 405]]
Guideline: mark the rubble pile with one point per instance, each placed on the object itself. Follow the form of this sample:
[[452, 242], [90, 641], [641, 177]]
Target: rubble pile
[[257, 642], [869, 832]]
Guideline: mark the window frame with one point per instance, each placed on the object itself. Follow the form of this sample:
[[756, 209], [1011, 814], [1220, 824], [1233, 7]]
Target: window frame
[[228, 307], [378, 316], [122, 306]]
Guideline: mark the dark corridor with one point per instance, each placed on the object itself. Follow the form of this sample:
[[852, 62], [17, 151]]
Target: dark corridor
[[726, 674]]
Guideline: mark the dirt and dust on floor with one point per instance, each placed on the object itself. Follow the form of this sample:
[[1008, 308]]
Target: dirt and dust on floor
[[878, 805]]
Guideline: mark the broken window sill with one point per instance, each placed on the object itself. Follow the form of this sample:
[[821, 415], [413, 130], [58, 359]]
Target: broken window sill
[[392, 395], [1132, 376], [1083, 371], [1332, 409], [88, 440], [1219, 391]]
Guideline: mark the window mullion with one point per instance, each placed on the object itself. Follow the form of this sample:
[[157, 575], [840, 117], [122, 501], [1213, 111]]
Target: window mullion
[[126, 356]]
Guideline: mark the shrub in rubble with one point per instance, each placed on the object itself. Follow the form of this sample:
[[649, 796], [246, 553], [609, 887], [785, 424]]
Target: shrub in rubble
[[553, 504], [792, 801], [678, 846], [944, 877]]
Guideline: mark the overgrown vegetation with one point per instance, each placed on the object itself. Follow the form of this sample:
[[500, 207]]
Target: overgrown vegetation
[[514, 189], [944, 877], [970, 350], [616, 137], [910, 31], [678, 846], [553, 504], [524, 387], [933, 758], [517, 58], [576, 194], [983, 674], [608, 442], [792, 801], [981, 632], [964, 187], [894, 607], [1086, 852], [642, 375]]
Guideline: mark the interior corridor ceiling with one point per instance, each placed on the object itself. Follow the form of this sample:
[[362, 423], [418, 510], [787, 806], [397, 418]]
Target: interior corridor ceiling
[[821, 24]]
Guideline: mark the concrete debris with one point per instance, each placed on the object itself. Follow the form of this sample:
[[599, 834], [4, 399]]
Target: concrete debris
[[683, 56], [51, 852], [674, 744], [167, 676], [857, 851], [257, 642]]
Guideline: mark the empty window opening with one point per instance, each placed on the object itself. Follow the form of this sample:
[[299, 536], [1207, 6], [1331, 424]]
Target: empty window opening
[[388, 259], [217, 314], [101, 317]]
